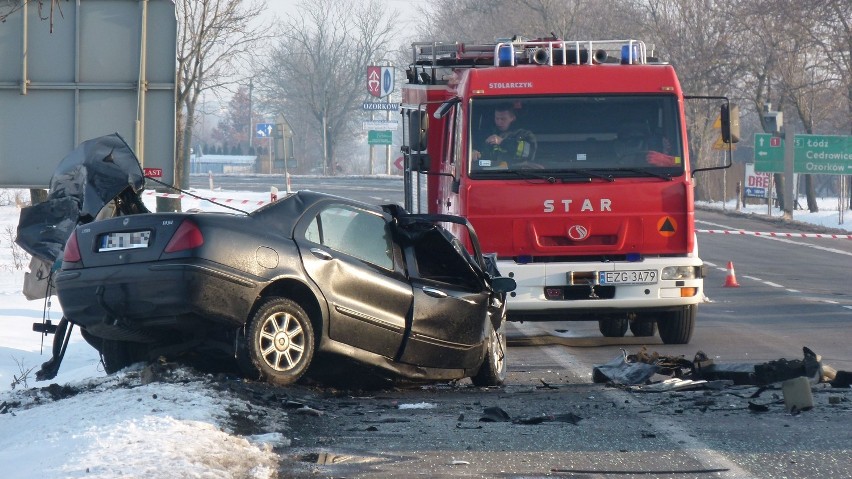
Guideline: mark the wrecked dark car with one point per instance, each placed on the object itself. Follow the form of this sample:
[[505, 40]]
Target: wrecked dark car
[[308, 274]]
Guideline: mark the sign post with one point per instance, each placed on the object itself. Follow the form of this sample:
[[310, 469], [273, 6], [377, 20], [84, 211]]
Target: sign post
[[768, 153], [265, 130], [380, 84]]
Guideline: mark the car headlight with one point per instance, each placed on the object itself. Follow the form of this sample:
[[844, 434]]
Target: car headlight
[[679, 272]]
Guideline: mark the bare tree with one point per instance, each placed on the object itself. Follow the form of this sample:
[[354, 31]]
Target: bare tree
[[316, 76], [215, 41], [47, 9], [759, 25], [474, 20], [696, 36], [831, 30]]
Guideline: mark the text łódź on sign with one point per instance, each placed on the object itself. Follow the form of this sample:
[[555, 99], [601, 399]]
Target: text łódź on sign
[[812, 154]]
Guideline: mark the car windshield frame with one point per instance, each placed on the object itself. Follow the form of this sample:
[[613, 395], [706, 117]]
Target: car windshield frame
[[575, 138]]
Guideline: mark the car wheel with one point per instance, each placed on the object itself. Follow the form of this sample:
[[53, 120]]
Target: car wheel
[[643, 327], [117, 355], [492, 372], [676, 326], [280, 341], [613, 328]]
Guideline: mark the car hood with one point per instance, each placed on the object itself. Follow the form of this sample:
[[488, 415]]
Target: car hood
[[86, 180]]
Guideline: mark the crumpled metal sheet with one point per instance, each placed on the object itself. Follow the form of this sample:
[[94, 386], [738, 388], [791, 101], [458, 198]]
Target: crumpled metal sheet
[[86, 180]]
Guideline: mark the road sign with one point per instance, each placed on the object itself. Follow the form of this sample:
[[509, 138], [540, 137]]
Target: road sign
[[757, 184], [379, 125], [384, 137], [768, 153], [376, 105], [380, 80], [822, 154], [153, 172], [264, 130]]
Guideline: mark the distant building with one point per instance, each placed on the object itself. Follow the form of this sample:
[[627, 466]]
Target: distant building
[[222, 163]]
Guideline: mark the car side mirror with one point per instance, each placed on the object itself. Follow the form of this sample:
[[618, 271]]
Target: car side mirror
[[502, 284]]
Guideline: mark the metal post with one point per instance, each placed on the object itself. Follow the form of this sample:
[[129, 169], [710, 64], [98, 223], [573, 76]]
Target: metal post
[[388, 147], [370, 146], [789, 186], [324, 141], [251, 130]]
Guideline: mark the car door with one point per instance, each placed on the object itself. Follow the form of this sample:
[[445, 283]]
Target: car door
[[450, 312], [349, 253]]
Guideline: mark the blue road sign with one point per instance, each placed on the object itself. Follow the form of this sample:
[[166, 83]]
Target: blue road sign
[[264, 130]]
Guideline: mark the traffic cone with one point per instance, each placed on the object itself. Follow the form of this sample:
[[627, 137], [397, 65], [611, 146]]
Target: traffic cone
[[731, 279]]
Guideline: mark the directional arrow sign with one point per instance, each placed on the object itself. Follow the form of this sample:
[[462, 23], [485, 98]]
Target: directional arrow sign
[[264, 130], [823, 154], [768, 153]]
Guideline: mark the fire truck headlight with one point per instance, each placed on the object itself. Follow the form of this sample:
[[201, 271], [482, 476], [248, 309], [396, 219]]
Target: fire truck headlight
[[679, 272]]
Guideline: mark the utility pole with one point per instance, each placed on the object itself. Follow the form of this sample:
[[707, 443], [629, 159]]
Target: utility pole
[[250, 128]]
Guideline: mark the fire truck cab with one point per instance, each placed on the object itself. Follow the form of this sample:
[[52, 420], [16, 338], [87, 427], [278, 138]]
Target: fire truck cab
[[570, 159]]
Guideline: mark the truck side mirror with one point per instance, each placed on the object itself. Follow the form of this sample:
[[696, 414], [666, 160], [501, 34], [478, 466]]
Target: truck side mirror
[[418, 130], [730, 116], [419, 162]]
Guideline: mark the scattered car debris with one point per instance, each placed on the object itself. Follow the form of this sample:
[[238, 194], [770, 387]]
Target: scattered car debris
[[797, 394], [570, 418], [419, 405], [795, 378], [494, 414], [673, 384], [497, 414], [621, 370], [842, 379]]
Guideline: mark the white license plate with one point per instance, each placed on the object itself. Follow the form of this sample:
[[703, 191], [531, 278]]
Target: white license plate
[[644, 276], [124, 240]]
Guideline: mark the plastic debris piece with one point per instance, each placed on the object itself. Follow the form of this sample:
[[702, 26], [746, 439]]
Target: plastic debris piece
[[494, 414]]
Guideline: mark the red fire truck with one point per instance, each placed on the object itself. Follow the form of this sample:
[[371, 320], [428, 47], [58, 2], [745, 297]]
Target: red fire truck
[[570, 159]]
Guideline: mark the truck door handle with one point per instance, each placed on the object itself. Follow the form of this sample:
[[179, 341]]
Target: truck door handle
[[435, 293], [321, 254]]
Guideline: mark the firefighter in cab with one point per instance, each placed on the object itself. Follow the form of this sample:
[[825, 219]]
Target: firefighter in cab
[[508, 146]]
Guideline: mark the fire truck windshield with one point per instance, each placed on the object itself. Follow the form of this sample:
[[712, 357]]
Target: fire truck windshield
[[566, 136]]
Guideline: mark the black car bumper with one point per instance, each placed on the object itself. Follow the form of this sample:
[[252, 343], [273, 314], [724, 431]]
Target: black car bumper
[[117, 300]]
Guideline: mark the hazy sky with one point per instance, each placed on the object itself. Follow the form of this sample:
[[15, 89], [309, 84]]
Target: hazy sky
[[406, 8]]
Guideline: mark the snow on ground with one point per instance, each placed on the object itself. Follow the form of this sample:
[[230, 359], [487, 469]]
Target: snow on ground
[[116, 426], [121, 425]]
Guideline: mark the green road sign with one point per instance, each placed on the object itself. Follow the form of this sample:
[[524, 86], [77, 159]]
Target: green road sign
[[768, 153], [379, 137], [822, 154]]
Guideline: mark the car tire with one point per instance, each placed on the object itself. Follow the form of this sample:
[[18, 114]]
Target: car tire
[[117, 355], [676, 327], [643, 327], [280, 341], [493, 370], [613, 328]]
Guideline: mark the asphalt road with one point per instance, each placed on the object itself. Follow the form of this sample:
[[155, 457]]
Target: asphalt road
[[793, 293]]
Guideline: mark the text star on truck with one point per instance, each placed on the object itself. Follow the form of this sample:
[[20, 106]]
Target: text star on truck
[[587, 196]]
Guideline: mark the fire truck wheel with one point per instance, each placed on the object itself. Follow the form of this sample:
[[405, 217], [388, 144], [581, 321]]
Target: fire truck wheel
[[613, 328], [643, 327], [676, 326]]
